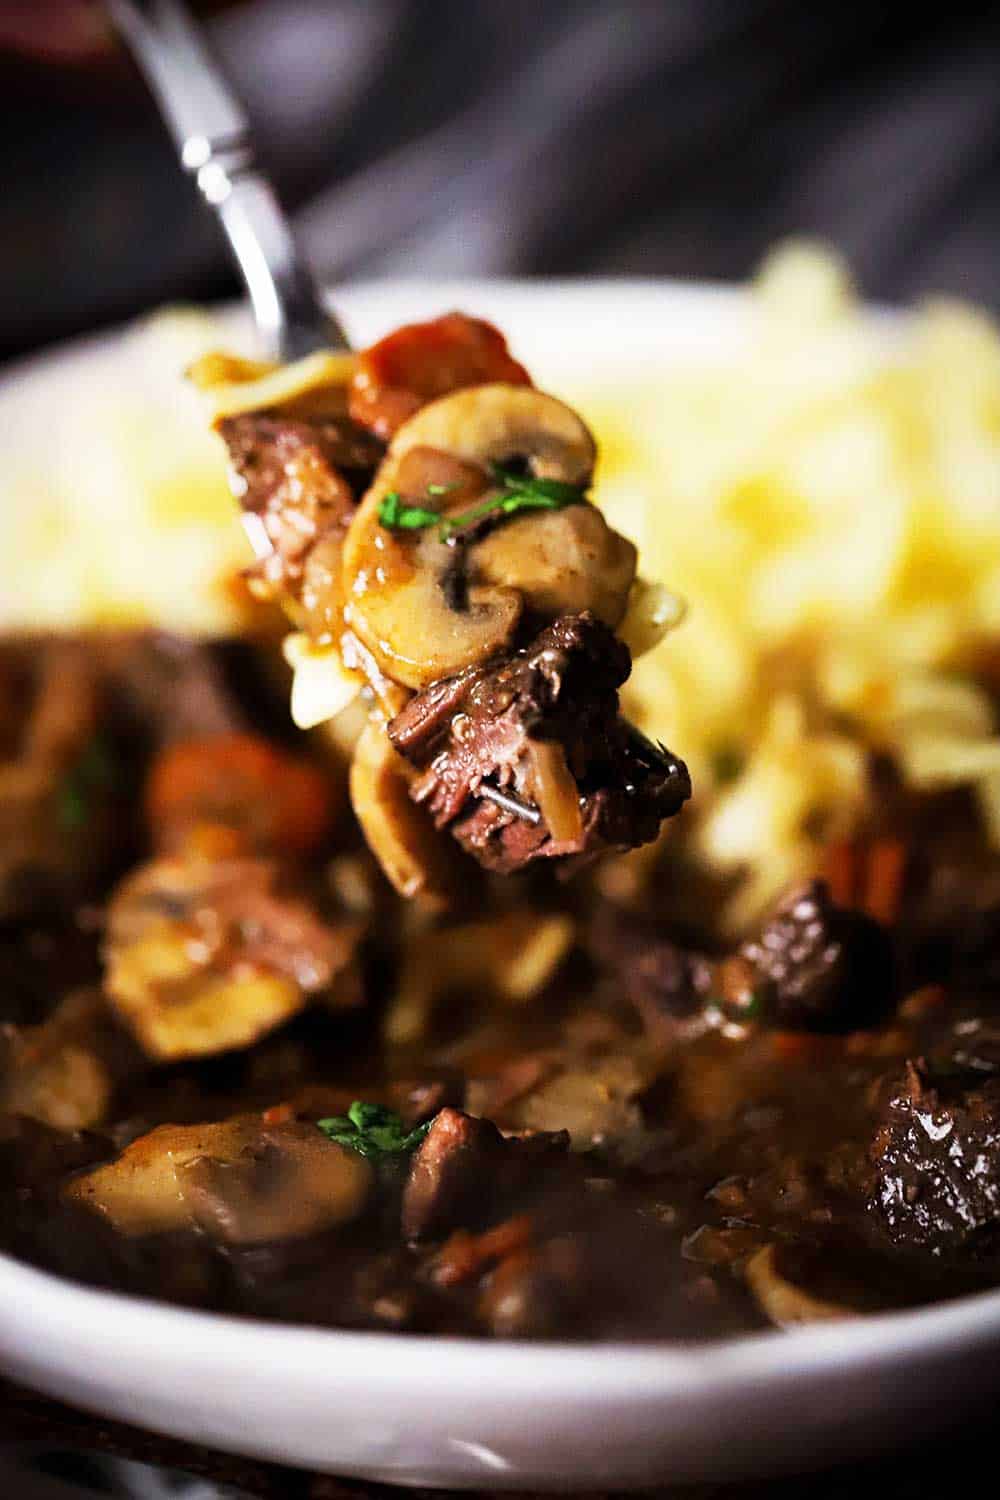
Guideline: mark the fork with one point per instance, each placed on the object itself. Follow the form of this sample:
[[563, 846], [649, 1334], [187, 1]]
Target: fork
[[212, 134]]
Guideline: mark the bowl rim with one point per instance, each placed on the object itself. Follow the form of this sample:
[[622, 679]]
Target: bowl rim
[[969, 1321]]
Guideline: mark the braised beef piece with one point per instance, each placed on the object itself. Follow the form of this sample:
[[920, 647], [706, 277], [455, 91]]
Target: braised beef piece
[[79, 720], [481, 726], [950, 928], [302, 478], [60, 781], [32, 1154], [541, 1292], [465, 1173], [937, 1160], [815, 966], [166, 688], [41, 962], [665, 981]]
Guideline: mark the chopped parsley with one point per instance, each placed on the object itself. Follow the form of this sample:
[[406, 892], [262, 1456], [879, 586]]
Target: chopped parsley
[[84, 781], [749, 1006], [373, 1131], [395, 514], [753, 1006], [516, 493]]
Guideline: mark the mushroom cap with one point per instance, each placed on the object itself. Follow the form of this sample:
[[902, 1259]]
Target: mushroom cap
[[561, 562], [392, 584], [493, 424], [239, 1180]]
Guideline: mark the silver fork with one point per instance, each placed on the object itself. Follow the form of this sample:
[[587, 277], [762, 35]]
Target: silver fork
[[213, 138]]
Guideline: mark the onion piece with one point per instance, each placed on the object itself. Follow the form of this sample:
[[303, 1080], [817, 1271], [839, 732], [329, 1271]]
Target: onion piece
[[652, 611], [555, 791], [399, 833], [322, 686], [781, 1300]]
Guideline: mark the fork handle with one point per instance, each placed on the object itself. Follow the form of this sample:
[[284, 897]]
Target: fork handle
[[212, 134]]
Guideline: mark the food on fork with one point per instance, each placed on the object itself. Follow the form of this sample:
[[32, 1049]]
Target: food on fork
[[422, 515]]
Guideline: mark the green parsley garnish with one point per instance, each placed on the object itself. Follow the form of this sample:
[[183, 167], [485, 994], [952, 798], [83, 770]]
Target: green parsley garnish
[[516, 493], [373, 1131], [749, 1007], [394, 513], [90, 775], [753, 1007]]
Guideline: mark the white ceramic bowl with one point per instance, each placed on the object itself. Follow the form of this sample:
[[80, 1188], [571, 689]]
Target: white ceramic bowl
[[456, 1412], [463, 1413]]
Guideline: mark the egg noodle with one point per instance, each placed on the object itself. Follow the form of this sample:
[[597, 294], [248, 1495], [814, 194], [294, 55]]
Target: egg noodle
[[828, 502]]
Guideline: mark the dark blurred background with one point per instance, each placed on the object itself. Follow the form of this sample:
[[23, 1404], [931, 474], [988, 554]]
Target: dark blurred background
[[537, 137]]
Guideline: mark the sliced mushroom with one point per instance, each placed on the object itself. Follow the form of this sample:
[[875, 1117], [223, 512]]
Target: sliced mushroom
[[561, 562], [288, 1182], [395, 584], [397, 604], [781, 1300], [399, 833], [205, 956], [239, 1180], [594, 1098], [495, 424]]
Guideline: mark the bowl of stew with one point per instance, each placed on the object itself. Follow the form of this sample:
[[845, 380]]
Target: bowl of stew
[[687, 1164]]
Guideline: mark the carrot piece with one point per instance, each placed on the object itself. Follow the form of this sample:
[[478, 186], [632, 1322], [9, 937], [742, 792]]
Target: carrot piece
[[422, 361], [278, 1114], [215, 841], [840, 871], [276, 801], [804, 1046], [885, 868], [465, 1255], [923, 1002]]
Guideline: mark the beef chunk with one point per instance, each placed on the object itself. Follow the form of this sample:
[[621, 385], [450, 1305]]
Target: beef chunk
[[814, 967], [33, 1154], [950, 931], [466, 1173], [666, 982], [493, 725], [302, 478], [538, 1293], [167, 688], [937, 1160], [60, 794], [449, 1173]]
